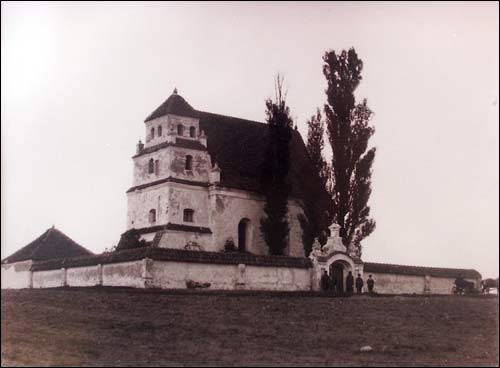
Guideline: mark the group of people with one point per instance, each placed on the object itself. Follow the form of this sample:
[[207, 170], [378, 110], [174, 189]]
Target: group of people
[[329, 283]]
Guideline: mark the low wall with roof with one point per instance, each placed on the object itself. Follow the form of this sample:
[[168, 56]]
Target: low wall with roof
[[176, 269], [169, 269], [398, 279]]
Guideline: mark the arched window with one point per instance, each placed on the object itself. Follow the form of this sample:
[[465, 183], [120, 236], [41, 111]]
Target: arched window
[[152, 133], [159, 131], [192, 132], [188, 215], [152, 216], [157, 167], [151, 166], [189, 162], [180, 129]]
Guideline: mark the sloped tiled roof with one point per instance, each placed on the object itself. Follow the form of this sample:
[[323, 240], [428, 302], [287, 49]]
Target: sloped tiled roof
[[420, 271], [176, 105], [52, 244], [238, 146]]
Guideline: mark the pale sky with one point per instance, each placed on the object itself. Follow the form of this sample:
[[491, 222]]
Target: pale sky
[[78, 80]]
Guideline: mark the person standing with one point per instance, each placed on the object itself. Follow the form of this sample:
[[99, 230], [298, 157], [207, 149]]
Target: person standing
[[324, 281], [371, 283], [349, 283], [359, 284]]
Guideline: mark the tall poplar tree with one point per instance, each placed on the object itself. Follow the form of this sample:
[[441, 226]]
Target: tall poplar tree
[[349, 132], [316, 204], [274, 172]]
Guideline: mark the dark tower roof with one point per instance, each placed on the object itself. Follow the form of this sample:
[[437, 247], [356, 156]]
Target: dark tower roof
[[52, 244], [176, 105]]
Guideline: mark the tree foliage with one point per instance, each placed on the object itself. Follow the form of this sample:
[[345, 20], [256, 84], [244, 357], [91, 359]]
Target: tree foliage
[[274, 172], [349, 132], [316, 204]]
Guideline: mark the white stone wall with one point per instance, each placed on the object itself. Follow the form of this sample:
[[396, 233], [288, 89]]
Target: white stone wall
[[171, 162], [229, 206], [83, 276], [169, 200], [142, 201], [169, 123], [129, 274], [48, 279], [277, 278], [396, 284], [411, 284], [444, 285], [174, 275], [16, 275]]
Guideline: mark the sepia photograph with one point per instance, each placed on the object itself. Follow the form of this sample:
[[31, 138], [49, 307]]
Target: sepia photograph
[[249, 183]]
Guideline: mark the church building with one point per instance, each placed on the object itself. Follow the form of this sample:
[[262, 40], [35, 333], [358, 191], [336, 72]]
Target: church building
[[196, 181]]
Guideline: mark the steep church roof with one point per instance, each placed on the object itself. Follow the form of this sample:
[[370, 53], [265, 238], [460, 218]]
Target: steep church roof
[[52, 244], [176, 105], [238, 146]]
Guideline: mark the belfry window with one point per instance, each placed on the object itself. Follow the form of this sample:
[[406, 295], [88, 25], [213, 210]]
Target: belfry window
[[157, 167], [188, 215], [159, 131], [189, 162], [152, 216], [192, 132], [152, 133], [151, 166], [180, 129]]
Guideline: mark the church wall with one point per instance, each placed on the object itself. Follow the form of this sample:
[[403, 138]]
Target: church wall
[[200, 164], [169, 124], [183, 197], [141, 167], [228, 207], [16, 275], [142, 201], [83, 276], [179, 239]]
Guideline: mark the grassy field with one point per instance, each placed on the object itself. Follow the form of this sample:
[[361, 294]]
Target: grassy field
[[102, 326]]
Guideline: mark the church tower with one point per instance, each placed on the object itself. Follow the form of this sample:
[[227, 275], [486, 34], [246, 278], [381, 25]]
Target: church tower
[[172, 171]]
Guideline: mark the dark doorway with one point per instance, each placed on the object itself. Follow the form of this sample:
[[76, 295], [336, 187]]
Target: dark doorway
[[337, 272], [242, 235]]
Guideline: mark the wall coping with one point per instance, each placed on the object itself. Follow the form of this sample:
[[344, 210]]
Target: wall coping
[[174, 255]]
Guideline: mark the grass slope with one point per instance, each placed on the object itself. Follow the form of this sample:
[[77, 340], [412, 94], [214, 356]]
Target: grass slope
[[102, 326]]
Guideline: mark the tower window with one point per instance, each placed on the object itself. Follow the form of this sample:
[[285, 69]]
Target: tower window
[[180, 129], [188, 215], [151, 166], [157, 167], [152, 133], [189, 162], [159, 131], [152, 216], [192, 132]]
